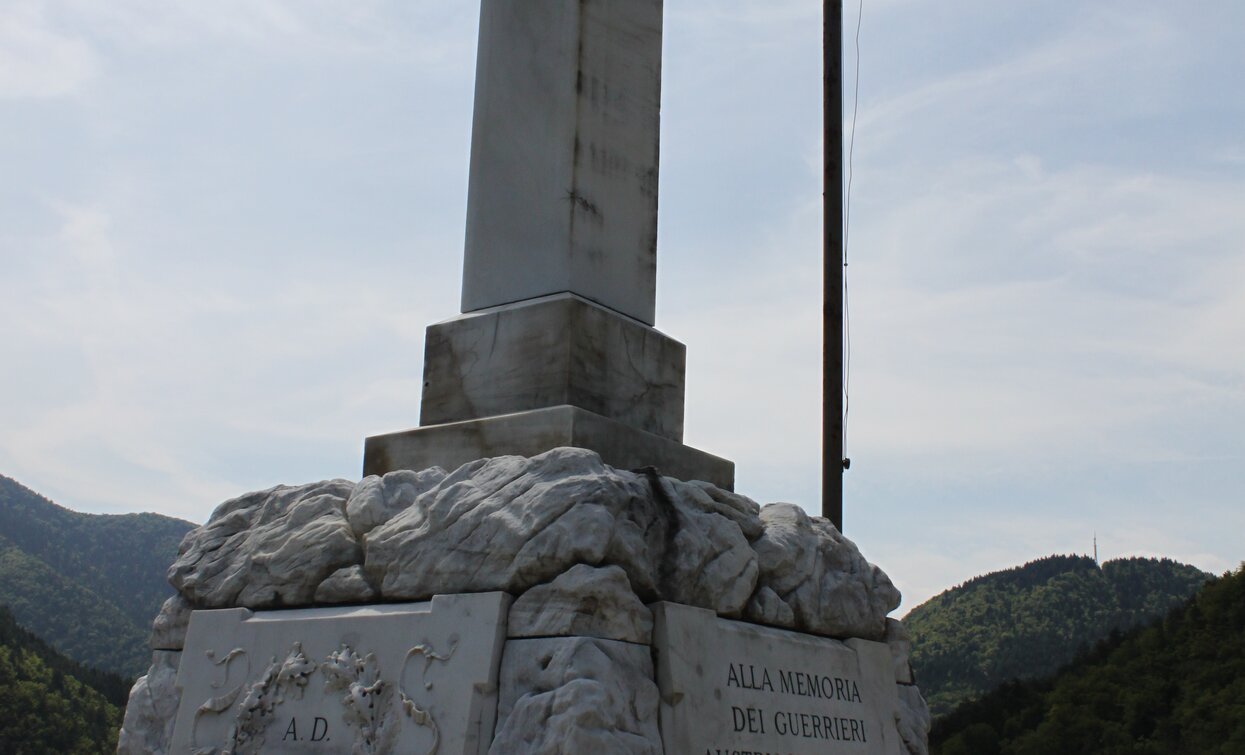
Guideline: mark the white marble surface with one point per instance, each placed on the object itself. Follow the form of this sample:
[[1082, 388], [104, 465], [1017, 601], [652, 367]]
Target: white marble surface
[[552, 351], [577, 695], [512, 523], [534, 432], [821, 576], [168, 629], [581, 546], [583, 602], [152, 708], [268, 549], [378, 498], [913, 719], [564, 154], [900, 643], [729, 686], [346, 585], [376, 679]]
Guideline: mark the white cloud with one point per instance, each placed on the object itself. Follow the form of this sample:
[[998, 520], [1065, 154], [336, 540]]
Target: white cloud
[[1001, 303], [37, 60], [414, 32], [1232, 156]]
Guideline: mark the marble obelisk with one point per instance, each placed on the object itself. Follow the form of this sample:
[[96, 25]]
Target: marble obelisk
[[555, 345]]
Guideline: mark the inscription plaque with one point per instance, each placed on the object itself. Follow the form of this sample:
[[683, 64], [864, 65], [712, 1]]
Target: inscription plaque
[[729, 688], [412, 678]]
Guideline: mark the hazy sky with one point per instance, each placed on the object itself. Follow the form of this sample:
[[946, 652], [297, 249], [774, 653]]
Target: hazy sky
[[225, 225]]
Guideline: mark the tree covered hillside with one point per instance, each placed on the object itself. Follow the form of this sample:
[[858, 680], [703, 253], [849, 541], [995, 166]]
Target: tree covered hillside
[[1176, 687], [76, 621], [1026, 622], [88, 584], [45, 708]]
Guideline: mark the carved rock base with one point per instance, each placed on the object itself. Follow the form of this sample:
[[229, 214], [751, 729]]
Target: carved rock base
[[589, 556]]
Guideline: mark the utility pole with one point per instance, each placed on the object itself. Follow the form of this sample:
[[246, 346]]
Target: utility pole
[[834, 462]]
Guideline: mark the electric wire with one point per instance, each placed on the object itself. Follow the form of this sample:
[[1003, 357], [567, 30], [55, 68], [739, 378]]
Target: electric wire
[[847, 225]]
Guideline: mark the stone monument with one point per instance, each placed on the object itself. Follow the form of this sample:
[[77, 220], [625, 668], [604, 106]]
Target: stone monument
[[542, 566], [556, 345]]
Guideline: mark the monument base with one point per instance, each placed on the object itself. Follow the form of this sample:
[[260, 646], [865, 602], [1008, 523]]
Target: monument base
[[416, 677], [531, 433], [458, 676], [524, 606]]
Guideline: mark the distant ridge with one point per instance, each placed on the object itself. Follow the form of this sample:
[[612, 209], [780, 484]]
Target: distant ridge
[[88, 584], [1026, 622], [1174, 687]]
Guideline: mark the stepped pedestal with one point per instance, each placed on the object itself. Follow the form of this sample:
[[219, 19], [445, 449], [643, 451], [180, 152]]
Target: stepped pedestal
[[557, 371]]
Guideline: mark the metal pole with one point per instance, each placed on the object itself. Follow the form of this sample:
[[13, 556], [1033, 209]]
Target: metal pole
[[833, 464]]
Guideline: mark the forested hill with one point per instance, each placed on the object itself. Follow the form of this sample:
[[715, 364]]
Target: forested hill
[[1176, 687], [45, 704], [88, 584], [1026, 622]]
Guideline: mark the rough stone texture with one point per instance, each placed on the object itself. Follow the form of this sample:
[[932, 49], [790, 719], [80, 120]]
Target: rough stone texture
[[268, 549], [575, 695], [821, 575], [168, 630], [580, 544], [583, 602], [766, 607], [346, 585], [901, 648], [377, 499], [512, 523], [913, 720], [152, 708], [708, 562]]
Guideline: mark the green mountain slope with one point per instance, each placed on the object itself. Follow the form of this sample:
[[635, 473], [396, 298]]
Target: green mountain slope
[[44, 707], [88, 583], [74, 620], [1026, 622], [122, 558], [1176, 687]]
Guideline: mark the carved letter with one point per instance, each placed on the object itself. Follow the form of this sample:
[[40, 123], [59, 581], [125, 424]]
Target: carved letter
[[320, 730]]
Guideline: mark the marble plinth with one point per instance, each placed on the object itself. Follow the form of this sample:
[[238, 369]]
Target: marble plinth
[[369, 679], [727, 687], [532, 433], [549, 352]]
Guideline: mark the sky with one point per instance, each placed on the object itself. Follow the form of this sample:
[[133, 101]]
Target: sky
[[225, 225]]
